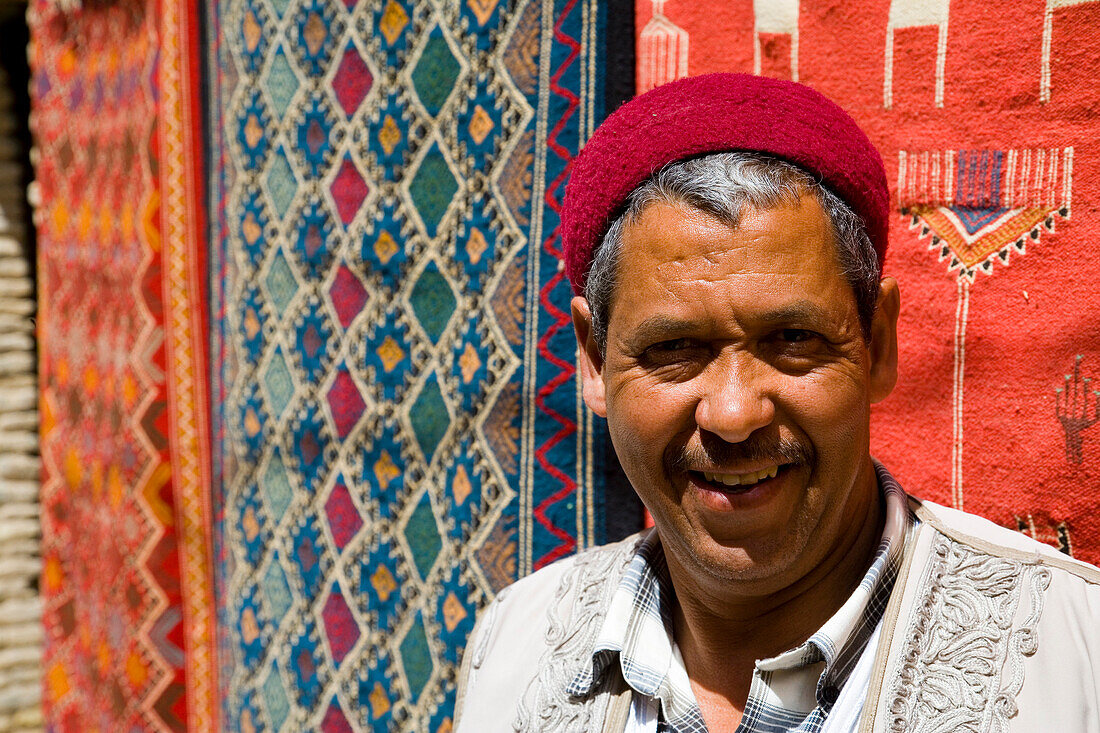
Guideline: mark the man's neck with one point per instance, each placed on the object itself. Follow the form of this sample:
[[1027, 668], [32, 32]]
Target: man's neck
[[721, 636]]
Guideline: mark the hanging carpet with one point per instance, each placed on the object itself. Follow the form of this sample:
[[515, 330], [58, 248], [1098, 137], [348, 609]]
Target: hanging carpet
[[398, 433]]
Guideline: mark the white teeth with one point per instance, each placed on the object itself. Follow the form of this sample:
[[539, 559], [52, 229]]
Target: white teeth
[[741, 479]]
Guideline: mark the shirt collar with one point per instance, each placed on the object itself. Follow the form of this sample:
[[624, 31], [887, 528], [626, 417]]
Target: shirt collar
[[638, 625], [637, 630]]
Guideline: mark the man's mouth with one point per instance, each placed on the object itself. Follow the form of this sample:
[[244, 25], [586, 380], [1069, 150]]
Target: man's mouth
[[739, 481]]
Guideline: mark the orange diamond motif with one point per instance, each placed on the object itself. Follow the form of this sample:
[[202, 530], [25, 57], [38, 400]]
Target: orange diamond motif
[[390, 353], [385, 247], [90, 378], [60, 218], [251, 228], [469, 362], [461, 486], [385, 470], [393, 21], [252, 423], [315, 33], [251, 31], [250, 628], [251, 524], [445, 727], [389, 135], [67, 62], [57, 681], [135, 670], [481, 124], [52, 573], [383, 582], [379, 703], [253, 131], [482, 9], [476, 245], [251, 324], [453, 612], [73, 467]]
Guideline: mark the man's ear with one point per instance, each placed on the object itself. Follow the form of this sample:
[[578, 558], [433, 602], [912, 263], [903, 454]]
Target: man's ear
[[591, 362], [884, 340]]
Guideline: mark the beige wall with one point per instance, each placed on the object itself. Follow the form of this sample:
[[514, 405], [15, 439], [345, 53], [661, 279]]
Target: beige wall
[[20, 534]]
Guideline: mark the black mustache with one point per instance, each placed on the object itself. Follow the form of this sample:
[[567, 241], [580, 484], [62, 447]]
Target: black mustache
[[714, 451]]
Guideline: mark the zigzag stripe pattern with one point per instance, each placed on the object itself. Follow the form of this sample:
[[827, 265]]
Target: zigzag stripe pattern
[[184, 258], [559, 319]]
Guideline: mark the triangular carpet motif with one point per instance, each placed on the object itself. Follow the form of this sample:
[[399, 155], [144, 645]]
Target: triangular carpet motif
[[979, 206]]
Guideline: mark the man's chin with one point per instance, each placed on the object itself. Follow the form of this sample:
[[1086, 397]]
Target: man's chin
[[750, 566]]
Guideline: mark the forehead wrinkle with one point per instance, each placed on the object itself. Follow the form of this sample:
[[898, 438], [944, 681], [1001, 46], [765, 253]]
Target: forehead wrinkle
[[682, 256], [714, 257]]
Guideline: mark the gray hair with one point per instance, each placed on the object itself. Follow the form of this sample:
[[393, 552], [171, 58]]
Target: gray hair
[[721, 184]]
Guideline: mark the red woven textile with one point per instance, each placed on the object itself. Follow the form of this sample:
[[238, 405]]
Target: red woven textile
[[127, 600], [986, 118]]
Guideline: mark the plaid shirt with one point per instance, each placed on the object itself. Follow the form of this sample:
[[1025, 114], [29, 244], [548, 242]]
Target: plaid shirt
[[794, 691]]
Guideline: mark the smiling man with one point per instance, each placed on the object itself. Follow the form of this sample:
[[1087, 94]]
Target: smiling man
[[725, 236]]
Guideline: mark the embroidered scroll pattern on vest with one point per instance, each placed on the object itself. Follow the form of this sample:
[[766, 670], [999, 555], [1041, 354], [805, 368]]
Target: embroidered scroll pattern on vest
[[569, 641], [963, 664]]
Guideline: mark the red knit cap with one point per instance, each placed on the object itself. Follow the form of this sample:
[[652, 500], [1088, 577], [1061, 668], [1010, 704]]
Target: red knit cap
[[710, 114]]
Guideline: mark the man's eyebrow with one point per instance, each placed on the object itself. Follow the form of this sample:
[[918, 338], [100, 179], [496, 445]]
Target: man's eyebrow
[[662, 326], [800, 311], [659, 327]]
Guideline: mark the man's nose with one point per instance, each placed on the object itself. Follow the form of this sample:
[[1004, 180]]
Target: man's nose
[[735, 401]]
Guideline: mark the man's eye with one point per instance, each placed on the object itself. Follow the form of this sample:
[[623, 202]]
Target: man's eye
[[795, 335], [672, 351], [671, 345]]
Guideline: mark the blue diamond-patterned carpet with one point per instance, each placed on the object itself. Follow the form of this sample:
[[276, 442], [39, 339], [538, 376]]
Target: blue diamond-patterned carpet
[[398, 433]]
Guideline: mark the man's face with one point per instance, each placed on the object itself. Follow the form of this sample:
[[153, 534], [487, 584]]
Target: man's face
[[737, 386]]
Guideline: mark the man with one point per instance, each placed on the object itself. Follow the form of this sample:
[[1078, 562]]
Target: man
[[725, 236]]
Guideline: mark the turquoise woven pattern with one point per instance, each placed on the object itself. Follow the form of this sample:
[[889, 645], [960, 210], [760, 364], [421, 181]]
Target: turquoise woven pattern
[[399, 432]]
